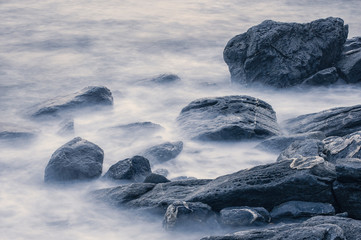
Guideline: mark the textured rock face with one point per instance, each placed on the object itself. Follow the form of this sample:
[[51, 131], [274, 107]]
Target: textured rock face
[[348, 146], [324, 77], [332, 122], [284, 54], [89, 96], [350, 62], [244, 216], [75, 160], [269, 185], [155, 178], [302, 149], [163, 152], [228, 118], [136, 168], [297, 209]]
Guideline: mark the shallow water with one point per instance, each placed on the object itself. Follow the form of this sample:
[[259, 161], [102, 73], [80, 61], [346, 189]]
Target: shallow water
[[52, 48]]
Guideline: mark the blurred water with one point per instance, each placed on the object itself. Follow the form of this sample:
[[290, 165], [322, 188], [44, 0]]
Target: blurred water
[[54, 47]]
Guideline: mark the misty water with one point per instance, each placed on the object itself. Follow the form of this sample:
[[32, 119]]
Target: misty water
[[55, 47]]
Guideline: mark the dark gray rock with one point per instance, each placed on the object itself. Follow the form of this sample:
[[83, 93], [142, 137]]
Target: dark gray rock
[[228, 118], [164, 194], [166, 79], [350, 62], [269, 185], [89, 96], [348, 170], [244, 216], [333, 122], [299, 209], [302, 149], [118, 196], [343, 147], [284, 54], [75, 160], [155, 178], [348, 196], [136, 168], [182, 215], [324, 77], [163, 152], [279, 143]]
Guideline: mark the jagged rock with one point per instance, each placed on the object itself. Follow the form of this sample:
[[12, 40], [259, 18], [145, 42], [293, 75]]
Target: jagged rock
[[350, 62], [163, 152], [298, 209], [302, 149], [89, 96], [155, 178], [279, 143], [75, 160], [164, 194], [348, 196], [188, 215], [343, 147], [348, 170], [122, 194], [332, 122], [316, 228], [136, 168], [324, 77], [284, 54], [244, 216], [228, 118], [269, 185]]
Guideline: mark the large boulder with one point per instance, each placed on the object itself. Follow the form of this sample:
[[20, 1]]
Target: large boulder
[[332, 122], [284, 54], [78, 159], [136, 169], [269, 185], [229, 118], [350, 62], [163, 152], [89, 96]]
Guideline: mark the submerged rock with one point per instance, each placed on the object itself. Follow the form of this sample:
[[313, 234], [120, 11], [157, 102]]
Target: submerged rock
[[244, 216], [78, 159], [298, 209], [12, 132], [332, 122], [66, 127], [136, 168], [284, 54], [324, 77], [163, 152], [155, 178], [89, 96], [166, 79], [350, 62], [228, 118]]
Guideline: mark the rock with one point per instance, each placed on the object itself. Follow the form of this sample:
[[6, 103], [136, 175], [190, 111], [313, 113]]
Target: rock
[[133, 130], [333, 122], [244, 216], [324, 77], [269, 185], [163, 152], [298, 209], [316, 228], [301, 149], [163, 194], [89, 96], [188, 215], [166, 79], [284, 54], [136, 168], [228, 118], [348, 196], [343, 147], [11, 132], [118, 196], [155, 178], [350, 62], [75, 160], [348, 170], [161, 171], [279, 143], [66, 127]]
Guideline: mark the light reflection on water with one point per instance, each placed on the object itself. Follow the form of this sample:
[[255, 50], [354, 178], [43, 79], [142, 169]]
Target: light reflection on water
[[51, 48]]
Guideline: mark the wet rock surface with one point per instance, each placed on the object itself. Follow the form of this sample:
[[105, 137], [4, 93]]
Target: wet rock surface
[[302, 149], [87, 97], [244, 216], [324, 77], [163, 152], [284, 54], [155, 178], [228, 118], [348, 146], [136, 169], [332, 122], [78, 159], [350, 62]]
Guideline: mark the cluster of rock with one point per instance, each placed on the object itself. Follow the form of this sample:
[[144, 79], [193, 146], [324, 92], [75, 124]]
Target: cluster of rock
[[288, 54]]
